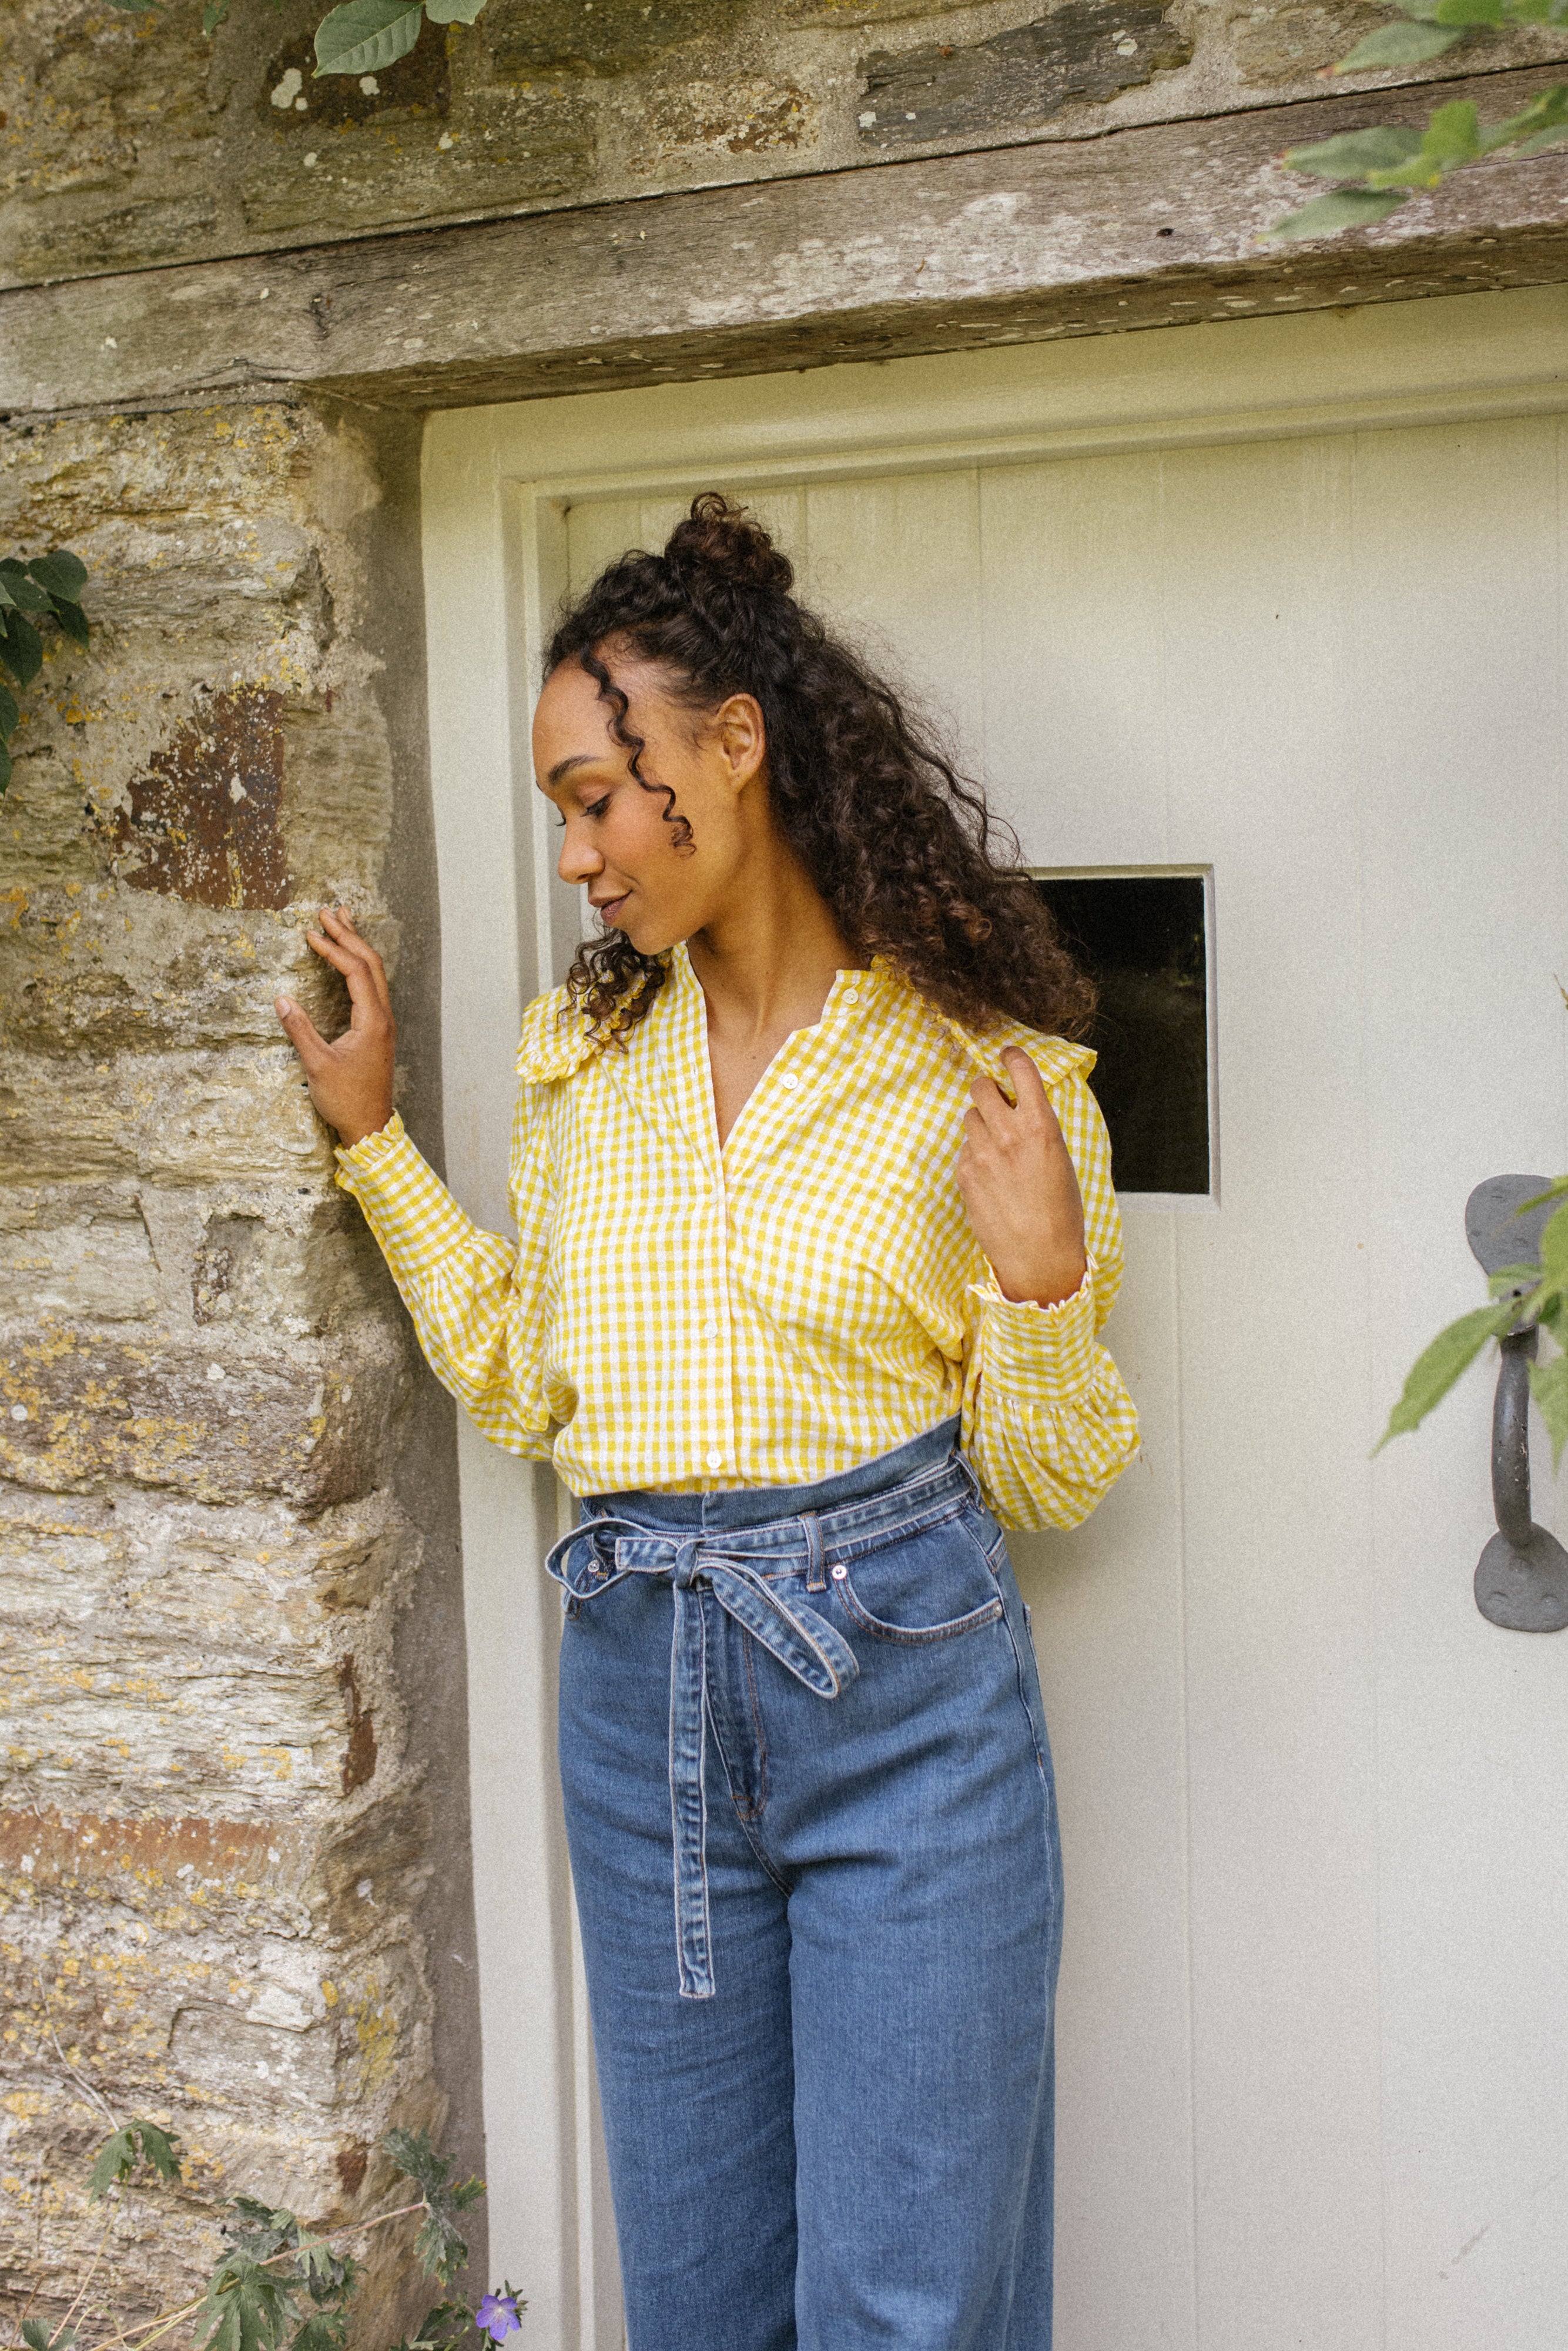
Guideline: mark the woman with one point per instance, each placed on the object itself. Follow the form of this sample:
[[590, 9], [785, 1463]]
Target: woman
[[815, 1231]]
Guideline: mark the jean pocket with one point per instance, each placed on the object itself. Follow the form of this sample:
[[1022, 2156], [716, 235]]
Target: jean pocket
[[933, 1586]]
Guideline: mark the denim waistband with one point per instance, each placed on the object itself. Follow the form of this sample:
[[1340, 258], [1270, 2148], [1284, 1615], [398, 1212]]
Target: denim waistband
[[741, 1507], [712, 1544]]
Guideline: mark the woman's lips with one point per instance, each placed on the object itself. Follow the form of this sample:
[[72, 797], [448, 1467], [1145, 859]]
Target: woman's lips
[[609, 909]]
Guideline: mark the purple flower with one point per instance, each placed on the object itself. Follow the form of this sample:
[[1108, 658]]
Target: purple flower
[[496, 2317]]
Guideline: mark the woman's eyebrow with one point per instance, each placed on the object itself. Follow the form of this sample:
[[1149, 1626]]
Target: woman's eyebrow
[[563, 767]]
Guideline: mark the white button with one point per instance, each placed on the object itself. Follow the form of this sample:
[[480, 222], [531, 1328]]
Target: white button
[[790, 1082], [840, 1573], [715, 1461], [851, 995]]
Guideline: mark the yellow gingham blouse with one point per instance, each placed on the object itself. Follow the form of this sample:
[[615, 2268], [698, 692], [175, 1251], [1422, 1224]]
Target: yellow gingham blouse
[[679, 1316]]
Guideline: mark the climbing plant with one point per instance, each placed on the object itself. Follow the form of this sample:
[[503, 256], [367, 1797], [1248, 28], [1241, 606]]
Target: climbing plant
[[47, 589], [281, 2286], [1382, 168], [1525, 1293], [361, 36]]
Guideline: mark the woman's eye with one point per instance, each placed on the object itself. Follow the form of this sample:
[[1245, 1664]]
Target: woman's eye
[[597, 807]]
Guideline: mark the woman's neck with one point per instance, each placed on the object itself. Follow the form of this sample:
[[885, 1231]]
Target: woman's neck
[[766, 963]]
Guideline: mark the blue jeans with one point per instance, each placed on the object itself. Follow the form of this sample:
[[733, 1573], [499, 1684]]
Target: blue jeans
[[814, 1843]]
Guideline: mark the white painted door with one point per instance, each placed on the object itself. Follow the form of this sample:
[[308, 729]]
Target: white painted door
[[1315, 1999]]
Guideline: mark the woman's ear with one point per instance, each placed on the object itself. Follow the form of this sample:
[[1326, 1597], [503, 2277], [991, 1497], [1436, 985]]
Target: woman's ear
[[742, 737]]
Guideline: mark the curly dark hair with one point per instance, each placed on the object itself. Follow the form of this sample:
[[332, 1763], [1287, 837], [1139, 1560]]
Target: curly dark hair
[[902, 848]]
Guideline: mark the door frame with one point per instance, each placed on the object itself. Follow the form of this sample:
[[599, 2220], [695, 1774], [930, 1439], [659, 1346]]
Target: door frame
[[497, 484]]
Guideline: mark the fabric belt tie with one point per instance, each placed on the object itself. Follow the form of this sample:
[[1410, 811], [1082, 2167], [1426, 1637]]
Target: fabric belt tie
[[807, 1646]]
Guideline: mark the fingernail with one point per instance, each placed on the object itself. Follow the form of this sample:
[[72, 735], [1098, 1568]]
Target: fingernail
[[283, 1005]]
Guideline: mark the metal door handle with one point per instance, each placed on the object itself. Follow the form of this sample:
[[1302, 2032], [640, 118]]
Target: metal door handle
[[1521, 1580], [1511, 1440]]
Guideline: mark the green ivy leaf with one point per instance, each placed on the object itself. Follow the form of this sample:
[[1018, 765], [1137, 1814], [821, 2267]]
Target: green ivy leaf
[[10, 712], [440, 2246], [1553, 1315], [74, 621], [250, 2307], [453, 12], [1327, 215], [1403, 44], [1437, 1368], [257, 2232], [160, 2150], [21, 648], [326, 2273], [1451, 138], [324, 2330], [1554, 1249], [1540, 122], [367, 36], [1549, 1386], [59, 574], [4, 772], [1356, 153], [25, 594], [118, 2156]]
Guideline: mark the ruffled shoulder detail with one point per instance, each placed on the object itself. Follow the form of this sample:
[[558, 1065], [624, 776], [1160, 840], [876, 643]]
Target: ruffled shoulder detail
[[556, 1040], [1054, 1057]]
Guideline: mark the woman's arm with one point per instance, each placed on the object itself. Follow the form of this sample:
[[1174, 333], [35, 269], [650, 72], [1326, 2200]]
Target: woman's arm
[[1048, 1424], [476, 1300]]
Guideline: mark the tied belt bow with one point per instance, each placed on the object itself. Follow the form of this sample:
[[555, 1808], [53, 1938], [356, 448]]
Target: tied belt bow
[[803, 1643]]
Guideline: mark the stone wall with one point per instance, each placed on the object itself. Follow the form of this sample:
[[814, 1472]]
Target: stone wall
[[234, 1890], [130, 140], [225, 1478]]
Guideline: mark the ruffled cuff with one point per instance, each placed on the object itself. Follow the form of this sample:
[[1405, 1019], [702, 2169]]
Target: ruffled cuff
[[369, 1150], [1037, 1354], [407, 1207]]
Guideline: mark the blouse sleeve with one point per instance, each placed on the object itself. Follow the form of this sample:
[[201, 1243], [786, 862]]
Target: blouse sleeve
[[476, 1300], [1047, 1423]]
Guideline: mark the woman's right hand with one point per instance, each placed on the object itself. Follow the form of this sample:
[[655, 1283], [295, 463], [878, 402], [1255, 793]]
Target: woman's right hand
[[351, 1079]]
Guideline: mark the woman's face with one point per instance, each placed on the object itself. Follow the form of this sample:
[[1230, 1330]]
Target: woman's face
[[642, 874]]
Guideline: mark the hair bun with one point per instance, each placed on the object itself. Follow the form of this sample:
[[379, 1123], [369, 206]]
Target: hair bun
[[721, 537]]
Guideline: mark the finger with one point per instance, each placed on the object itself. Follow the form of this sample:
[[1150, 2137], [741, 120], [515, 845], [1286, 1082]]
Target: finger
[[1028, 1084], [990, 1104], [339, 925], [302, 1034], [365, 997]]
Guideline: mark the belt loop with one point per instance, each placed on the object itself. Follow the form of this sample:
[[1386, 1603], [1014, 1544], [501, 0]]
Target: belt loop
[[816, 1571]]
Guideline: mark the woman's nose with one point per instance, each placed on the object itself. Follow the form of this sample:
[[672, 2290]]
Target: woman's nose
[[579, 861]]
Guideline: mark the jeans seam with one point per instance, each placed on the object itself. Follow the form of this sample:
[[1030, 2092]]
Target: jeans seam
[[754, 1812], [988, 1559], [1029, 1719], [748, 1830]]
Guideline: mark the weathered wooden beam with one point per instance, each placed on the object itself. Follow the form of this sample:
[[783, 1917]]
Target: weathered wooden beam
[[1145, 227]]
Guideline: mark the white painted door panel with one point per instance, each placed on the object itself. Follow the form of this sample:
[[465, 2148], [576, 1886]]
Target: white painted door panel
[[1314, 2069]]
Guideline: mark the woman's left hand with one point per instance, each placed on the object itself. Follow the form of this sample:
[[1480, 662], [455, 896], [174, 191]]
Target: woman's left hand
[[1020, 1188]]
